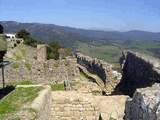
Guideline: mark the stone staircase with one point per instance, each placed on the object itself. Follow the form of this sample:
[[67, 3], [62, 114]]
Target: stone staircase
[[71, 105], [74, 105]]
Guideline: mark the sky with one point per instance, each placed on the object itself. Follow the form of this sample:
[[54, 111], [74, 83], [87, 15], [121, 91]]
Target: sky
[[121, 15]]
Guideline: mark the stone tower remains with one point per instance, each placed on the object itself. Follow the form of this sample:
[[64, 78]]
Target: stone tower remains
[[41, 53]]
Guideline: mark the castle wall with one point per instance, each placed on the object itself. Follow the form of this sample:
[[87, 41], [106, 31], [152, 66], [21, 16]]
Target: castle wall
[[140, 78], [50, 71], [99, 67], [145, 104], [40, 70], [41, 53], [139, 71]]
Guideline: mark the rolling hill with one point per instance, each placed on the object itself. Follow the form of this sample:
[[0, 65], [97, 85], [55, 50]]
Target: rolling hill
[[68, 35], [107, 44]]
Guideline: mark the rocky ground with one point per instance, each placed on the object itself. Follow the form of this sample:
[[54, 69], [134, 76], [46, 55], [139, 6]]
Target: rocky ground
[[85, 102]]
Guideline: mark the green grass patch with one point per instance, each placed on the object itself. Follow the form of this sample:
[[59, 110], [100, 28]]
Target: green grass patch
[[14, 101], [15, 65], [59, 86], [28, 66], [27, 82]]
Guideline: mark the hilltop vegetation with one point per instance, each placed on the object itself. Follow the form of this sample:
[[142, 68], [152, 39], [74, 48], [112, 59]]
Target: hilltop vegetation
[[69, 36], [105, 45]]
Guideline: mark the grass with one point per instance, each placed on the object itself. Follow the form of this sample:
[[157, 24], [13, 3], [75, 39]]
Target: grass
[[59, 86], [14, 83], [14, 101], [28, 66], [15, 65]]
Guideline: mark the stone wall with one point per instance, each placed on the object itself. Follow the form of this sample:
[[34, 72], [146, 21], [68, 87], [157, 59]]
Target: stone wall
[[145, 104], [140, 75], [96, 66], [50, 71], [55, 70], [41, 53], [28, 65], [139, 71]]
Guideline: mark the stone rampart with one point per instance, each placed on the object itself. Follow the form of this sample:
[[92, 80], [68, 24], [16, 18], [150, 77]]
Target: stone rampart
[[140, 78], [36, 68], [50, 71], [96, 66], [138, 71]]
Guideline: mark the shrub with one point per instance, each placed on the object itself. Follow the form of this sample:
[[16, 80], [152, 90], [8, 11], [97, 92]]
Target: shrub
[[57, 86]]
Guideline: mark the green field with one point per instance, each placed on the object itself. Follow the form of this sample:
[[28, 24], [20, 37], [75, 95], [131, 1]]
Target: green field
[[111, 51]]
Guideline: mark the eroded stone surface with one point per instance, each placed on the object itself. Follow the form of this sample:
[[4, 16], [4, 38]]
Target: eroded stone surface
[[139, 71], [73, 105], [145, 104]]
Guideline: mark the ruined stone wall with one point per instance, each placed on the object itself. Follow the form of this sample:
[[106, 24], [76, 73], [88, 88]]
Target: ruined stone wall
[[55, 70], [138, 71], [50, 71], [96, 66], [32, 65], [145, 104], [41, 53]]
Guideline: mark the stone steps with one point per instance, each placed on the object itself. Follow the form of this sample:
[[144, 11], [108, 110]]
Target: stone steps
[[74, 105]]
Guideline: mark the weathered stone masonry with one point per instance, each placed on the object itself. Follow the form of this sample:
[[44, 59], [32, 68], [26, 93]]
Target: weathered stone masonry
[[140, 80], [41, 70], [96, 66], [138, 71], [145, 104]]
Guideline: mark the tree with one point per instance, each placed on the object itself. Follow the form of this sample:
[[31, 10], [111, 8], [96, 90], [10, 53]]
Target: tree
[[52, 50], [1, 29], [22, 34], [56, 50], [28, 40]]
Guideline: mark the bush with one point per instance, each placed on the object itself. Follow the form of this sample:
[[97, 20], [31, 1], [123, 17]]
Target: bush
[[52, 50], [57, 86], [28, 40]]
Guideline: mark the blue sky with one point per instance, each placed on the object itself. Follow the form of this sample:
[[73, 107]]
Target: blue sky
[[120, 15]]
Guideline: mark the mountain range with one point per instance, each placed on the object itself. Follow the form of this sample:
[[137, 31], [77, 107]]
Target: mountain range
[[68, 36]]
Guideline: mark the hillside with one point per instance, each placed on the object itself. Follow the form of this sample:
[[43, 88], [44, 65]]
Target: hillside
[[107, 44], [68, 35]]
